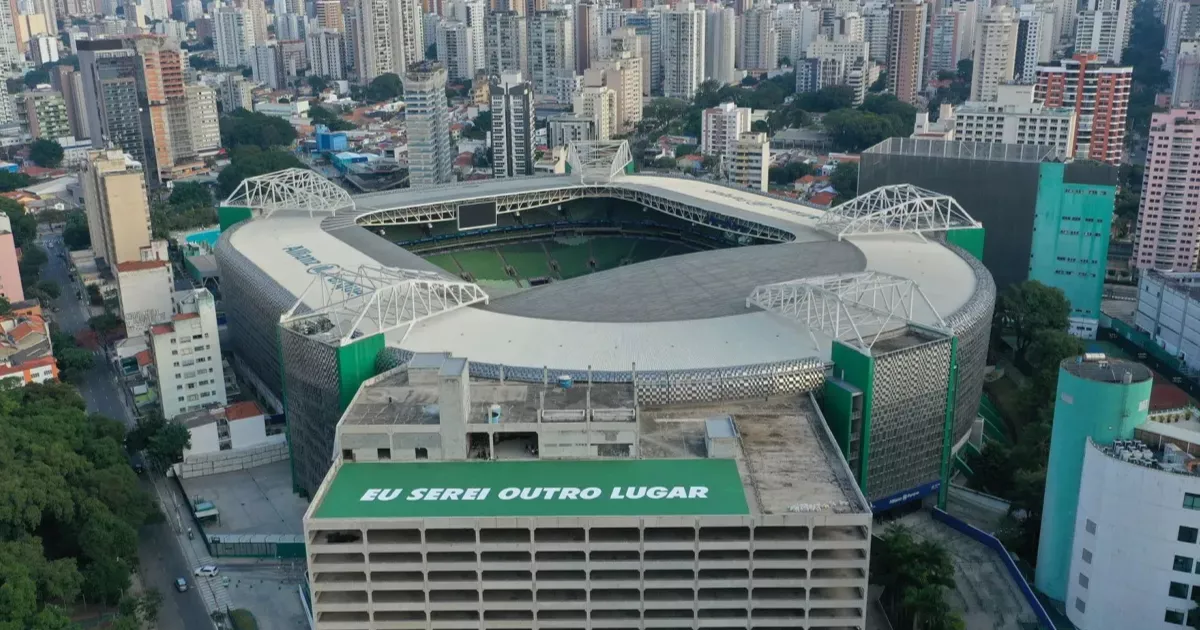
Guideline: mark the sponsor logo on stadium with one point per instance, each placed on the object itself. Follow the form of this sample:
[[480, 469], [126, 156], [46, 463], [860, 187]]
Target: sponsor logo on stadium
[[317, 268], [592, 493]]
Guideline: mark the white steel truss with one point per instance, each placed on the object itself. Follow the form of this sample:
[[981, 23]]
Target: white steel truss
[[432, 213], [856, 308], [290, 189], [384, 297], [898, 208], [598, 161]]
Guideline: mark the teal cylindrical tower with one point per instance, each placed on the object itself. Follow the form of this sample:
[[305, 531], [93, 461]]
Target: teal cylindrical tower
[[1098, 398]]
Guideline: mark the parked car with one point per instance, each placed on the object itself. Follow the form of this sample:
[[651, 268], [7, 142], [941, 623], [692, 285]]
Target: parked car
[[207, 570], [181, 585]]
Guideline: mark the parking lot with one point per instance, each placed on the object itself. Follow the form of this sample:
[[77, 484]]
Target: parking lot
[[254, 501], [269, 590]]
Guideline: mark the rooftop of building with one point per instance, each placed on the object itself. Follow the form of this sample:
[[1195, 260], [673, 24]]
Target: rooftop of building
[[1104, 369], [140, 265], [960, 149]]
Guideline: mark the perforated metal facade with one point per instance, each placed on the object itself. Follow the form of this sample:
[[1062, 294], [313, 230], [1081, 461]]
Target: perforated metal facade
[[972, 325], [312, 405]]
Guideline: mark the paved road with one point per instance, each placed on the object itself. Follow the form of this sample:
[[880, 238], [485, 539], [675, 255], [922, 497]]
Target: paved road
[[158, 548]]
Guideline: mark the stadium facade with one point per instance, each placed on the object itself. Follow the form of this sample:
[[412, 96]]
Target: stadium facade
[[880, 309]]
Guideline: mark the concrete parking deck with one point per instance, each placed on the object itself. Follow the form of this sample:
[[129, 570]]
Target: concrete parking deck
[[253, 501]]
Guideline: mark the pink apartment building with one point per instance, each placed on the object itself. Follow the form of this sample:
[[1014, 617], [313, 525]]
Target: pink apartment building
[[1168, 225], [10, 275]]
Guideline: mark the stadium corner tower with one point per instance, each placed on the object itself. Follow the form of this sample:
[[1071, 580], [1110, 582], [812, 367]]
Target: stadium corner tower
[[686, 291]]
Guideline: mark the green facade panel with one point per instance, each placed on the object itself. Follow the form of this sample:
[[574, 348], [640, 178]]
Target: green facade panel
[[971, 240], [228, 216], [356, 363], [857, 369], [837, 405], [607, 487]]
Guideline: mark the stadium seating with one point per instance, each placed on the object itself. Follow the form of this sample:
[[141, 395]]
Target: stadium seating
[[529, 260]]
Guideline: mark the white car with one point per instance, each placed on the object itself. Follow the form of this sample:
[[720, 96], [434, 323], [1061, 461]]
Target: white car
[[207, 570]]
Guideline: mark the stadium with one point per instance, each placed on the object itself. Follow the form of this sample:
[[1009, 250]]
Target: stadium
[[687, 291]]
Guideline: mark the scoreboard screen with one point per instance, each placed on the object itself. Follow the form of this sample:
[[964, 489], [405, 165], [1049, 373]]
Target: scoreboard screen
[[476, 215]]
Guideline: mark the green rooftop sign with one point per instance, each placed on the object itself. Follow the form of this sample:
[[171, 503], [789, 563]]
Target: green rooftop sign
[[635, 487]]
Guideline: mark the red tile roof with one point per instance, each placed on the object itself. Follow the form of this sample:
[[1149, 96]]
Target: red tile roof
[[143, 358], [162, 329], [27, 365], [22, 331], [243, 410], [822, 199], [140, 265], [182, 316]]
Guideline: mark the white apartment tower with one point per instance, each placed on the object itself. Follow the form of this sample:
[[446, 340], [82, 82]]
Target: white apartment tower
[[203, 120], [234, 37], [625, 44], [721, 126], [759, 42], [428, 120], [512, 126], [876, 17], [266, 65], [187, 355], [995, 52], [507, 42], [325, 57], [683, 51], [390, 38], [1185, 82], [1103, 27], [551, 50], [720, 39], [749, 161], [1036, 37], [624, 77], [471, 13], [598, 104], [456, 50]]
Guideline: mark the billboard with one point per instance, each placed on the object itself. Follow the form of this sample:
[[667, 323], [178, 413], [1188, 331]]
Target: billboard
[[476, 215]]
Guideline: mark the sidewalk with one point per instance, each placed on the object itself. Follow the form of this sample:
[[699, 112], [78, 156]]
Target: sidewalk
[[212, 590]]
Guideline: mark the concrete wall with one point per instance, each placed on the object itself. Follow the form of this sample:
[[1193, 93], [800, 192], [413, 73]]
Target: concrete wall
[[233, 460], [145, 297], [248, 432], [204, 440]]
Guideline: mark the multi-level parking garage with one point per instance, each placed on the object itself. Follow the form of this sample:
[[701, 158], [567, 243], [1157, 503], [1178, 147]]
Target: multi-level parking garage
[[877, 307]]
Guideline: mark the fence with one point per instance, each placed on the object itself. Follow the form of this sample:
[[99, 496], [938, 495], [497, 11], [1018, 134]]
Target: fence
[[992, 543]]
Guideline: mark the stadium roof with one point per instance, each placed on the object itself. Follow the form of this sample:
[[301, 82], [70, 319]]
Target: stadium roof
[[683, 312], [609, 487]]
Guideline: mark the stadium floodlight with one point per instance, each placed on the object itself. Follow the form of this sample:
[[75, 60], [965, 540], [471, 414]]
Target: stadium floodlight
[[386, 298], [898, 208], [854, 307], [598, 161], [290, 189]]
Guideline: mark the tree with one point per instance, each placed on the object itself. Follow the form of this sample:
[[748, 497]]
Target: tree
[[50, 288], [241, 128], [94, 296], [787, 174], [480, 127], [385, 87], [844, 180], [431, 52], [33, 78], [104, 323], [320, 115], [5, 306], [913, 574], [46, 153], [317, 83], [75, 234], [190, 195], [684, 149], [760, 126], [250, 161], [73, 361], [1028, 307], [880, 84], [166, 446], [12, 181], [23, 224], [33, 258]]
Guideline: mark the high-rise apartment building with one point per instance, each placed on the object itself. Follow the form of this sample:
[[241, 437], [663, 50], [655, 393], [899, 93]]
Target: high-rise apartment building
[[1103, 28], [1036, 38], [329, 15], [797, 25], [70, 84], [1168, 225], [995, 52], [390, 37], [624, 77], [111, 85], [236, 92], [203, 120], [472, 14], [165, 105], [187, 355], [114, 193], [720, 44], [233, 37], [906, 49], [877, 20], [749, 161], [626, 44], [266, 66], [721, 126], [1099, 94], [683, 51], [456, 50], [507, 41], [598, 104], [290, 26], [943, 42], [1181, 20], [512, 126], [325, 58], [588, 32], [11, 287], [551, 50], [1185, 81], [43, 114], [758, 45], [1014, 118], [10, 54], [428, 119]]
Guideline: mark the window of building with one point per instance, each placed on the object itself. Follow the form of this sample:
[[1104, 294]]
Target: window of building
[[347, 454], [1090, 526], [1174, 616], [1191, 501], [421, 453], [1188, 534], [1182, 564], [1177, 589], [1087, 556], [1080, 605], [1083, 580], [383, 453]]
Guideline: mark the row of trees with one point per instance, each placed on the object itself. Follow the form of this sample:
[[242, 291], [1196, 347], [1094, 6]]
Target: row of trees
[[881, 116], [189, 206], [914, 574], [1032, 319]]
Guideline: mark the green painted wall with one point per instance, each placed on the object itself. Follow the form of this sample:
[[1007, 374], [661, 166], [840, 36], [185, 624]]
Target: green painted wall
[[970, 239], [356, 363], [858, 369], [837, 405], [1071, 226], [228, 216], [948, 428], [1083, 409]]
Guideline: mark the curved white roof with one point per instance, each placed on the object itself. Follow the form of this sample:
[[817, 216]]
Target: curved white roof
[[291, 247]]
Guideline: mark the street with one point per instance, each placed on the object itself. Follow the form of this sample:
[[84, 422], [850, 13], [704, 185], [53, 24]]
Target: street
[[162, 560]]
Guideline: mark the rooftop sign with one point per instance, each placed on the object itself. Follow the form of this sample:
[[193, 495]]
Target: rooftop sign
[[535, 488]]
